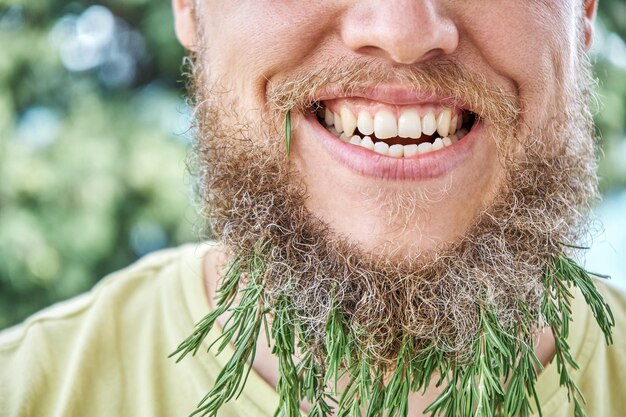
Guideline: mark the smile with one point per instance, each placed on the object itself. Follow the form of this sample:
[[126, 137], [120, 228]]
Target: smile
[[395, 131], [394, 136]]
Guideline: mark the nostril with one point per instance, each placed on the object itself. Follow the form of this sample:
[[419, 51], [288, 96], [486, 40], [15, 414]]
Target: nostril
[[409, 59], [398, 56], [374, 51]]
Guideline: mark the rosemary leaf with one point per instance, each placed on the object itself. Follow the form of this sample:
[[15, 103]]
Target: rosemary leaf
[[472, 386], [288, 131]]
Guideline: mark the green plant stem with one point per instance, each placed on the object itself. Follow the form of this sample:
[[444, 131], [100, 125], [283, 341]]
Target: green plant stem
[[474, 386]]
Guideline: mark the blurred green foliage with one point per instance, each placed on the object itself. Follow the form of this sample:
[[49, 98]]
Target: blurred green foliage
[[609, 55], [93, 144], [92, 168]]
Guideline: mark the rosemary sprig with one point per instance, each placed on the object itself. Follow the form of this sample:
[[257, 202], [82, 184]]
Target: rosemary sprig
[[397, 392], [521, 385], [225, 297], [474, 386], [242, 328], [558, 278], [288, 385], [312, 387]]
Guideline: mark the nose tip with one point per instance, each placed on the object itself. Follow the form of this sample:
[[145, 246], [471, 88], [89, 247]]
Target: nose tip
[[401, 31]]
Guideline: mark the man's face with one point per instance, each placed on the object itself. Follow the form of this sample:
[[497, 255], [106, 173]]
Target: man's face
[[523, 53]]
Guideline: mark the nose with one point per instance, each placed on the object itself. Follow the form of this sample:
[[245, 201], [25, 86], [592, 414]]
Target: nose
[[401, 31]]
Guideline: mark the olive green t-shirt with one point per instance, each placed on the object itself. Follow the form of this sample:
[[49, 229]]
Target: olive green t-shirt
[[105, 353]]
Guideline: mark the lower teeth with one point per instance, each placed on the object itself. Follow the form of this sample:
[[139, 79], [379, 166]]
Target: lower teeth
[[397, 150]]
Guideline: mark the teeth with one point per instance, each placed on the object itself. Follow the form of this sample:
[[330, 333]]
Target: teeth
[[381, 148], [409, 125], [410, 150], [429, 124], [348, 121], [365, 123], [453, 123], [385, 125], [424, 147], [367, 143], [396, 151], [443, 122], [338, 124], [329, 119]]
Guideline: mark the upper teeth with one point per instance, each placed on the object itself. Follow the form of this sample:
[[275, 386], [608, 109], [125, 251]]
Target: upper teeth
[[443, 122], [348, 120], [365, 123], [384, 124], [410, 125]]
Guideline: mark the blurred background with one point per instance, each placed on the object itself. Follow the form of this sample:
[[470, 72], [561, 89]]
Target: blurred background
[[94, 139]]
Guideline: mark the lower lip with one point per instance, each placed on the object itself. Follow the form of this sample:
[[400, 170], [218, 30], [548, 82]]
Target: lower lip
[[371, 164]]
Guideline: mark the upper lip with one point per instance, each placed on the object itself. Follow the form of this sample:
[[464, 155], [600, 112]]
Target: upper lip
[[394, 95]]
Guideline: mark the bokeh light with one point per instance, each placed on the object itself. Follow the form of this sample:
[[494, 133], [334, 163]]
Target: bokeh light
[[97, 40]]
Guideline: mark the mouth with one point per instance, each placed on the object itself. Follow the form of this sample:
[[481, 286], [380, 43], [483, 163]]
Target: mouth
[[393, 136], [396, 131]]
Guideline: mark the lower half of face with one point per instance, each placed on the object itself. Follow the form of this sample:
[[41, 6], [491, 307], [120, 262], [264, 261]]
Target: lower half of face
[[401, 171], [396, 193], [397, 172], [398, 159]]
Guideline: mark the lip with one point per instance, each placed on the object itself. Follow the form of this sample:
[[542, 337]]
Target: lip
[[371, 164], [394, 95]]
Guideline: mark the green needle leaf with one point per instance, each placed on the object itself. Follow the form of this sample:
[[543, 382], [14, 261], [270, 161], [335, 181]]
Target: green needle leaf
[[474, 386], [288, 132]]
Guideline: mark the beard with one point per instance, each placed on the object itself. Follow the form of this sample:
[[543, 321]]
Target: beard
[[326, 286]]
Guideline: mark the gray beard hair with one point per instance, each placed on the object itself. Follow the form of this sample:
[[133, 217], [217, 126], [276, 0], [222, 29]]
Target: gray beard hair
[[252, 196]]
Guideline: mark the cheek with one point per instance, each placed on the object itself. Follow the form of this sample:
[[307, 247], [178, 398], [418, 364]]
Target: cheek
[[249, 42], [530, 45]]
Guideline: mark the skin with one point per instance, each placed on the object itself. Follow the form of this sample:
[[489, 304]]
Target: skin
[[526, 48], [268, 40]]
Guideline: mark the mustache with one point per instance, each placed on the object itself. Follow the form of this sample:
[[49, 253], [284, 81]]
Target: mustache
[[298, 91]]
